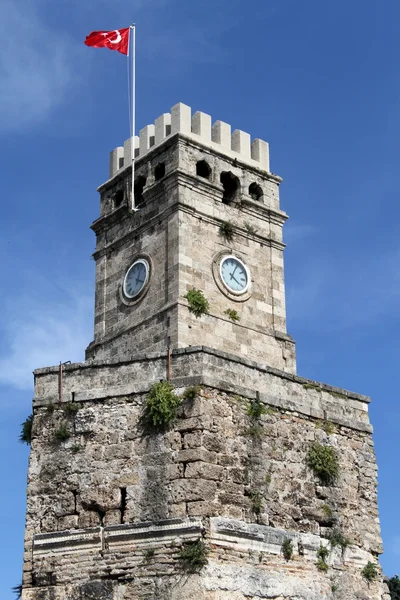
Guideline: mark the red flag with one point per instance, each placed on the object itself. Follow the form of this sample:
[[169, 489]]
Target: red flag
[[114, 40]]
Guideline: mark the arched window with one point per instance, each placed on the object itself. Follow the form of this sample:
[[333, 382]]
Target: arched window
[[255, 191], [231, 186], [159, 171], [203, 169], [140, 182]]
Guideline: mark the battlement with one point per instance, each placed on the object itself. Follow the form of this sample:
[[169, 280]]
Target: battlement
[[217, 136]]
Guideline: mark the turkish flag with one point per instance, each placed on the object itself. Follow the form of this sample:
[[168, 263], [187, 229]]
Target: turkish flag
[[114, 40]]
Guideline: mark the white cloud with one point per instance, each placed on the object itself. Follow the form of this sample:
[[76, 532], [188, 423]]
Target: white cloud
[[35, 66], [43, 334]]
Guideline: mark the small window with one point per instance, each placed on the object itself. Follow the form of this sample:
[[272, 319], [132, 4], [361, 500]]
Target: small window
[[118, 198], [231, 186], [203, 169], [255, 191], [159, 171], [140, 182]]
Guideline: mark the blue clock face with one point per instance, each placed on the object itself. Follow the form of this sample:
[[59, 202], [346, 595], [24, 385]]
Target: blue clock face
[[136, 278], [234, 274]]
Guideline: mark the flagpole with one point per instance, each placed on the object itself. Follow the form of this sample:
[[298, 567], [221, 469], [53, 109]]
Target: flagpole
[[133, 59]]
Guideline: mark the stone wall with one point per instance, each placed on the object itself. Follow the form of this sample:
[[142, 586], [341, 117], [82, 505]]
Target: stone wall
[[110, 507]]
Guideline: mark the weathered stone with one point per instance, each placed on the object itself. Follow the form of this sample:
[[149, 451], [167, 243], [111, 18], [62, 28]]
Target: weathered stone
[[110, 509]]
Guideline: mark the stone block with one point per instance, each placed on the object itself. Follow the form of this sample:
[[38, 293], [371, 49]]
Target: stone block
[[189, 490], [202, 470]]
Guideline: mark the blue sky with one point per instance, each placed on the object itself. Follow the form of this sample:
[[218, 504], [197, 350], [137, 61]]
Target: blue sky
[[320, 81]]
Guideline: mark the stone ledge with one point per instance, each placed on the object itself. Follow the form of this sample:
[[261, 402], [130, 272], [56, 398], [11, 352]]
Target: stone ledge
[[238, 535], [116, 536], [212, 368]]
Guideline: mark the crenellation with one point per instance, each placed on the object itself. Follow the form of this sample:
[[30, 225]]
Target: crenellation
[[201, 126], [198, 127]]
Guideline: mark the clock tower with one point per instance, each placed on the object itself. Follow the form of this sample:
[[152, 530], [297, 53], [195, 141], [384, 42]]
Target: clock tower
[[185, 458], [208, 220]]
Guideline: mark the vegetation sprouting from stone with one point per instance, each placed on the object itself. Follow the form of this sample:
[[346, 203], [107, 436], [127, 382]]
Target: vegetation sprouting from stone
[[394, 587], [326, 426], [322, 554], [50, 408], [191, 392], [256, 501], [254, 431], [324, 461], [193, 556], [256, 409], [312, 386], [370, 571], [76, 448], [62, 433], [337, 538], [250, 228], [198, 303], [26, 430], [17, 590], [287, 549], [232, 314], [327, 510], [161, 407], [226, 230], [71, 408]]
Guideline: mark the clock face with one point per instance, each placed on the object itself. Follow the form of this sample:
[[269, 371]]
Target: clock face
[[234, 274], [136, 278]]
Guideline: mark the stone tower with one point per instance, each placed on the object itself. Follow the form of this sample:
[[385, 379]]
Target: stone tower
[[264, 486]]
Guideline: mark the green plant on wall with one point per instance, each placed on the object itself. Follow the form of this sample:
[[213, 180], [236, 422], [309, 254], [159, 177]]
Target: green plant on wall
[[322, 555], [71, 408], [26, 430], [193, 556], [250, 228], [256, 501], [198, 303], [394, 587], [370, 571], [337, 538], [232, 314], [255, 409], [161, 406], [17, 590], [191, 392], [324, 461], [62, 433], [287, 549], [226, 230]]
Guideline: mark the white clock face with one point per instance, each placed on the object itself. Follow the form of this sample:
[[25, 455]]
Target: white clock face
[[136, 278], [234, 274]]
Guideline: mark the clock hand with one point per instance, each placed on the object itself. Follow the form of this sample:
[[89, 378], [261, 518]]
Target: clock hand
[[139, 280]]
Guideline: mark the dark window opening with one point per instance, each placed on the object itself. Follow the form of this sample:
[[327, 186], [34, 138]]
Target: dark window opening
[[255, 191], [203, 169], [140, 182], [231, 186], [123, 504], [159, 171], [118, 198]]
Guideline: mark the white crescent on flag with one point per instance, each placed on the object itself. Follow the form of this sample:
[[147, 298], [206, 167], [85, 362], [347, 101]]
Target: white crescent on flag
[[118, 38]]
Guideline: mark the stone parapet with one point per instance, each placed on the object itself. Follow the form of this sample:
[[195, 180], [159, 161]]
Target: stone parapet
[[205, 366], [236, 145]]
